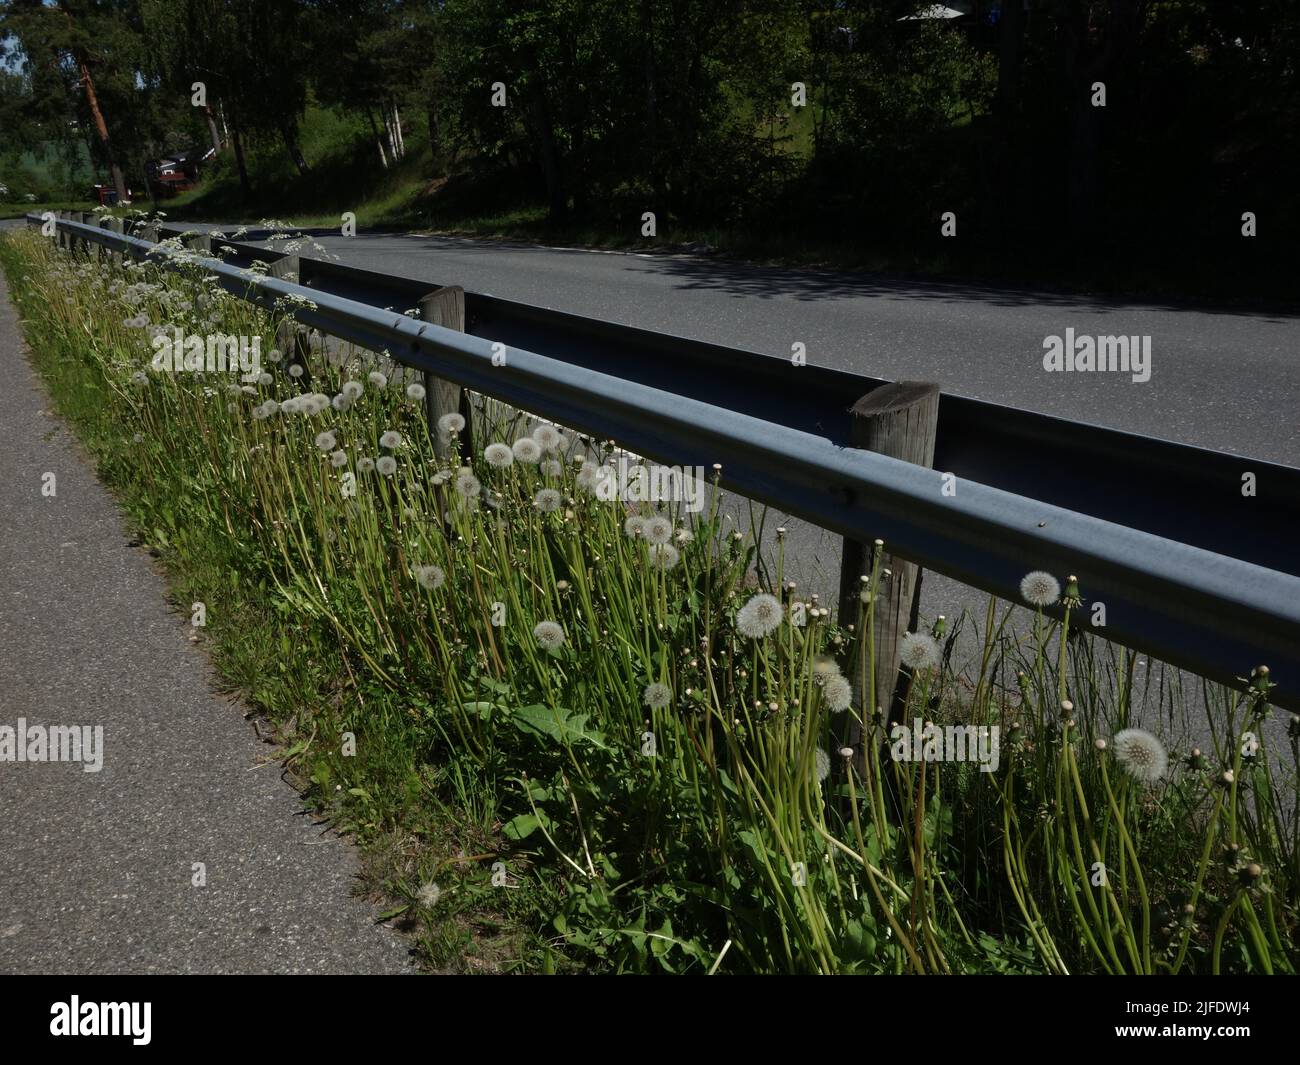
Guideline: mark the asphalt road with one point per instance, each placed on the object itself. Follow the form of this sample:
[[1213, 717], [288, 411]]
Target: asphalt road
[[1220, 378], [98, 869]]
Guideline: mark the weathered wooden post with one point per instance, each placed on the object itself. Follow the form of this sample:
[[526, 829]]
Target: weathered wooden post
[[898, 420], [445, 307], [114, 225], [290, 337]]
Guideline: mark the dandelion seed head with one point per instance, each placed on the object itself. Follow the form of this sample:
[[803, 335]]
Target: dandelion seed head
[[547, 500], [663, 556], [822, 764], [354, 390], [1040, 588], [498, 456], [656, 696], [430, 577], [377, 379], [760, 616], [548, 438], [1143, 756], [326, 441], [428, 895], [415, 391], [824, 667], [527, 450], [549, 635], [468, 486], [391, 439], [658, 530], [139, 378], [451, 423], [552, 468], [365, 465], [837, 692], [634, 526], [919, 651], [295, 370], [387, 466], [341, 403], [339, 459]]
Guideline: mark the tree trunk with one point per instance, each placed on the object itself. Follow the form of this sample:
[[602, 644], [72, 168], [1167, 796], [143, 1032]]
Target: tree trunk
[[101, 126], [379, 141], [290, 134], [555, 194], [237, 142], [651, 100], [397, 128], [431, 119], [212, 128]]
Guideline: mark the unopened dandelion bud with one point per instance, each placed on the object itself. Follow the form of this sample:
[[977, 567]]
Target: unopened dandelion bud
[[1226, 777], [1100, 745], [1067, 708], [1254, 870]]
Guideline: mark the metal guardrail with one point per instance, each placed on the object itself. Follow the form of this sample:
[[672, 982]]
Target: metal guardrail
[[1190, 571]]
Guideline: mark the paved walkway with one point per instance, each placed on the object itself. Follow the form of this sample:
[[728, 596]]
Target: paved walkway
[[96, 867]]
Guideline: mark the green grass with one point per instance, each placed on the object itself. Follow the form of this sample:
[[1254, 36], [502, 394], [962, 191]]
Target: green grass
[[18, 210], [613, 758]]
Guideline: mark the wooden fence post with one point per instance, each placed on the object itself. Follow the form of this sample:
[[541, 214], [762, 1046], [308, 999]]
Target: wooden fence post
[[114, 225], [898, 420], [445, 307]]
